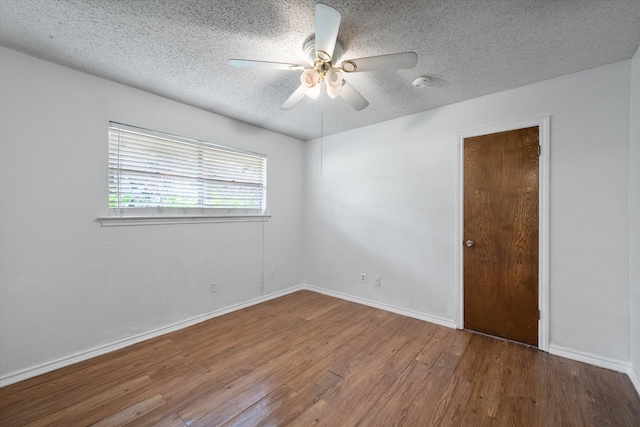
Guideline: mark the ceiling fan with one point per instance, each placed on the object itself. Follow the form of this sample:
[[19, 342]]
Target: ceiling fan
[[323, 52]]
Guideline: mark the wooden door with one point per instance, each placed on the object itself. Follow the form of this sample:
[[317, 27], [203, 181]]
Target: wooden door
[[501, 234]]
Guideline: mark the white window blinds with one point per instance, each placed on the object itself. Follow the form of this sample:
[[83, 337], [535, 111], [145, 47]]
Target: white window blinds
[[152, 173]]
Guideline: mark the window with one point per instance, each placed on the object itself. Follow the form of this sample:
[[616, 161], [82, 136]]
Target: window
[[154, 174]]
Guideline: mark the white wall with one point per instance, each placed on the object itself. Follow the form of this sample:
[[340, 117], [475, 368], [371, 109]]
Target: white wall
[[634, 226], [384, 203], [68, 285]]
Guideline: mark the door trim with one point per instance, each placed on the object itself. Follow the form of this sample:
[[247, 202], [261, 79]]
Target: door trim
[[543, 218]]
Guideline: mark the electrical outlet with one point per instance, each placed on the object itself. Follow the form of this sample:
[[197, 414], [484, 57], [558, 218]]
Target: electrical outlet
[[214, 287], [363, 277], [376, 280], [272, 272]]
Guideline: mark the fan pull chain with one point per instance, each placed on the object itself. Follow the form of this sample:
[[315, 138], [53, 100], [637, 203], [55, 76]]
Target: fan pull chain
[[321, 129]]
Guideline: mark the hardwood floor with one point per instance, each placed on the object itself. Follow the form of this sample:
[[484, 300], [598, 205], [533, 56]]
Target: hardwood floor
[[309, 359]]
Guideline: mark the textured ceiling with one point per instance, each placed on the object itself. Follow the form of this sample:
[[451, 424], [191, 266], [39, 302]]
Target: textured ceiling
[[179, 49]]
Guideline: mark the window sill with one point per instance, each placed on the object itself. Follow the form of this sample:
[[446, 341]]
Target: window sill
[[115, 221]]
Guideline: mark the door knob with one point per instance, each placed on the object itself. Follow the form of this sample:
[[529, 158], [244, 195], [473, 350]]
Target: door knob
[[470, 243]]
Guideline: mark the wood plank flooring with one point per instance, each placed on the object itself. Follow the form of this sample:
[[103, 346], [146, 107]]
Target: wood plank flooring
[[309, 359]]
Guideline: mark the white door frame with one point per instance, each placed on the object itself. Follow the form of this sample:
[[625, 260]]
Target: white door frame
[[543, 218]]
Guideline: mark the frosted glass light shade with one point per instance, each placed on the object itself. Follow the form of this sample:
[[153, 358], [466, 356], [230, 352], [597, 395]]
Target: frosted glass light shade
[[333, 78], [309, 79]]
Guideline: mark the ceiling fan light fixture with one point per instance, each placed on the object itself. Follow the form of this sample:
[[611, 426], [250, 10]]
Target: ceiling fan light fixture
[[323, 53], [310, 78], [334, 80]]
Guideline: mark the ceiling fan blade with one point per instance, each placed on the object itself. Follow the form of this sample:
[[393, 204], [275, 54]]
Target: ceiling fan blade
[[295, 97], [247, 63], [327, 26], [352, 96], [394, 61]]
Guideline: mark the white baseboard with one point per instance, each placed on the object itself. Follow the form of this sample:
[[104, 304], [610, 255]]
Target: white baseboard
[[580, 356], [108, 348], [602, 362], [634, 375], [404, 312]]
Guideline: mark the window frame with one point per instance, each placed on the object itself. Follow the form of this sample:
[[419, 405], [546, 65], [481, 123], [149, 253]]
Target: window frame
[[167, 215]]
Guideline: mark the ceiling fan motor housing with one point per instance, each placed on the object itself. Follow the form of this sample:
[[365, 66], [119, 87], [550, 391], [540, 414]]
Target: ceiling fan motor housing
[[309, 49]]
